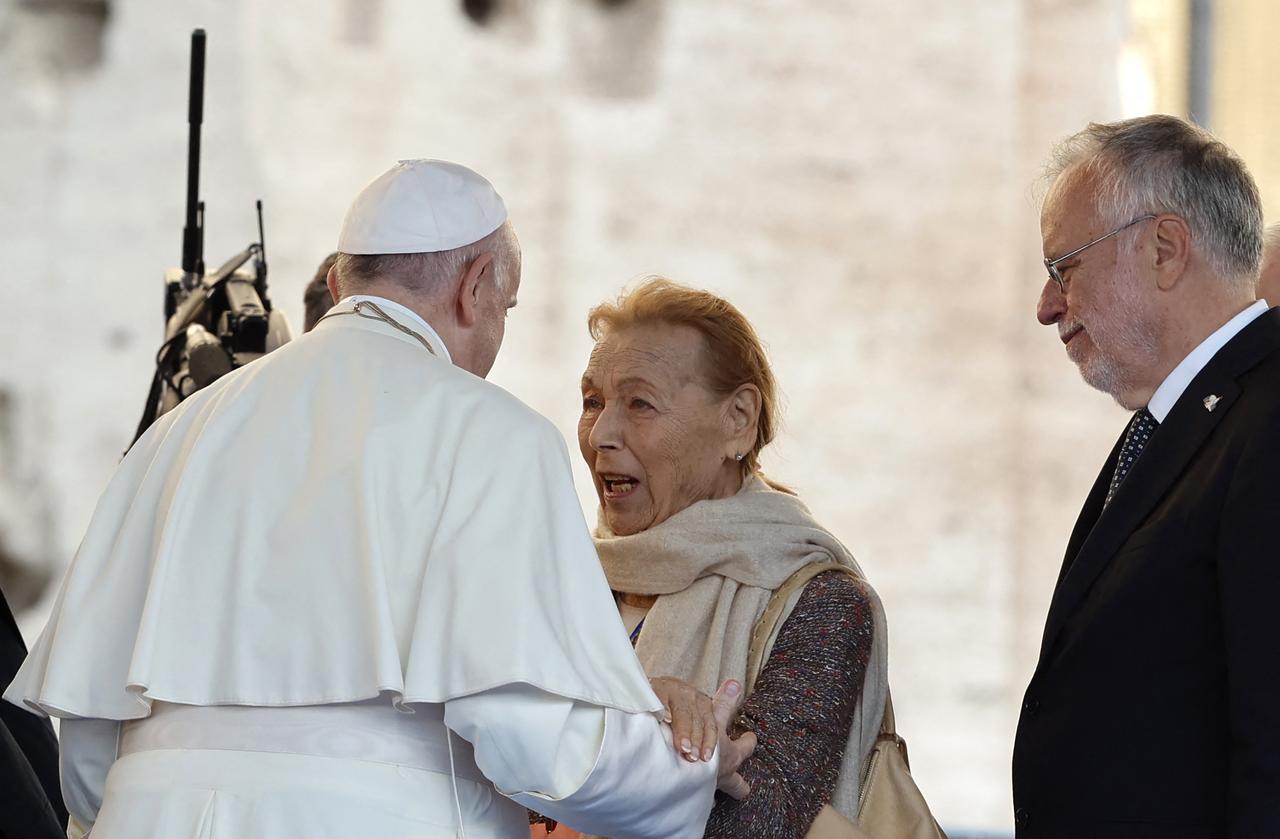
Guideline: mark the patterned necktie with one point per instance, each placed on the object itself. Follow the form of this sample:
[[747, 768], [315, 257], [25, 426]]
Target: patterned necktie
[[1140, 431]]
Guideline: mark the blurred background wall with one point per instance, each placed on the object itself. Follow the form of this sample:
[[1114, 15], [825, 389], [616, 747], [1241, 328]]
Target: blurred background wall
[[858, 177]]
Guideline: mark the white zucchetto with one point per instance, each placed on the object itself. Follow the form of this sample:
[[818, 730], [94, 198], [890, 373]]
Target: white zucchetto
[[421, 206]]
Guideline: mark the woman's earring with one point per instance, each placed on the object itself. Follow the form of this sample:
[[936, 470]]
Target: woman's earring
[[738, 457]]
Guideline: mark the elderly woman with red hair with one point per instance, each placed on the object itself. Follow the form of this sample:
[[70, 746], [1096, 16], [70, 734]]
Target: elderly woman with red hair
[[678, 400]]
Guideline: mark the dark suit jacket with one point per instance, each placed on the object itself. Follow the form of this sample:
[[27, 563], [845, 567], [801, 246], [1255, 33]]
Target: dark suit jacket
[[30, 796], [1154, 710]]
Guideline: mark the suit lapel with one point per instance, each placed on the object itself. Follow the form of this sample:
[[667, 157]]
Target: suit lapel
[[1092, 508], [1099, 534]]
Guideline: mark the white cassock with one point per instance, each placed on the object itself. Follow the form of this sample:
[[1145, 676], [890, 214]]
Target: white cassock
[[348, 591]]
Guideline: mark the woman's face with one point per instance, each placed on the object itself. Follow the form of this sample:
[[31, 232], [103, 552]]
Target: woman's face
[[655, 437]]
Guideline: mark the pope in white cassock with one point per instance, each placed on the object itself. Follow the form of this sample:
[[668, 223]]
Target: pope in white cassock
[[348, 590]]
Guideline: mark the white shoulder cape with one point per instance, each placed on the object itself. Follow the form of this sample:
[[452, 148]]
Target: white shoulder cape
[[345, 517]]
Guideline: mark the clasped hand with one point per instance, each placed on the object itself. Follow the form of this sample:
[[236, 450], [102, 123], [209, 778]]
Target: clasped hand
[[700, 725]]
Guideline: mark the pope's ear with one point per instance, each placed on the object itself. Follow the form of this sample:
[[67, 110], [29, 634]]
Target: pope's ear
[[474, 276]]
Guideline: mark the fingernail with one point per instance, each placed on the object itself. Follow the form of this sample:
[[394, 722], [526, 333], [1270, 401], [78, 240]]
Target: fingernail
[[706, 754], [734, 688], [686, 746]]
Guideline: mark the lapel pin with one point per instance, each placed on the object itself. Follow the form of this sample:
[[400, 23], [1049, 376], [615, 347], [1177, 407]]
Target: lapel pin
[[1211, 402]]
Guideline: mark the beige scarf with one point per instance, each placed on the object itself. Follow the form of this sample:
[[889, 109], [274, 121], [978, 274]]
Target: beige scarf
[[714, 565]]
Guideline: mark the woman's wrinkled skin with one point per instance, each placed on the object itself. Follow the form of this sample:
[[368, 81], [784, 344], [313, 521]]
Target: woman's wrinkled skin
[[656, 438]]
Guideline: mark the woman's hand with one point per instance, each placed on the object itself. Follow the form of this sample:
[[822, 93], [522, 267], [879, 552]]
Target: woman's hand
[[700, 724], [732, 752], [694, 729]]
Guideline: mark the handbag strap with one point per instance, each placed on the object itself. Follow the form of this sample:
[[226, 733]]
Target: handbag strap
[[888, 723], [768, 623]]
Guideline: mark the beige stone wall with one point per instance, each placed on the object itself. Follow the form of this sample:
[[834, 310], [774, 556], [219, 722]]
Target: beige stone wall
[[1244, 109], [857, 177], [1244, 61], [1155, 56]]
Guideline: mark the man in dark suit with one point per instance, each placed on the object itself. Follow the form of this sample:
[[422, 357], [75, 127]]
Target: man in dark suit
[[30, 798], [1154, 710]]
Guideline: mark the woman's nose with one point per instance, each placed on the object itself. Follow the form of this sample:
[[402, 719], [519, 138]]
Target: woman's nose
[[606, 435]]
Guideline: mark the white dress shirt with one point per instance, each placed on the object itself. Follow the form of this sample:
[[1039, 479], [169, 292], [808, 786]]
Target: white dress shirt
[[1163, 400]]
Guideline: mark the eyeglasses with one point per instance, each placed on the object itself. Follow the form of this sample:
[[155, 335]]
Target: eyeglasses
[[1051, 265]]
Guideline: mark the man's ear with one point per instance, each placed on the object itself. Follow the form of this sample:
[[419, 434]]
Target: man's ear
[[331, 280], [1172, 250], [468, 294]]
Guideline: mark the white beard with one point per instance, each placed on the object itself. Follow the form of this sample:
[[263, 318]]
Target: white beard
[[1124, 342]]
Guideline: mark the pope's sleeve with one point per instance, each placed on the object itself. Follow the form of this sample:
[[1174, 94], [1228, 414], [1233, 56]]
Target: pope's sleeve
[[513, 591], [598, 770], [541, 678]]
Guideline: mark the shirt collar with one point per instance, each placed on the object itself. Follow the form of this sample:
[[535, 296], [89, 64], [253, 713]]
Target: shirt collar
[[1163, 400], [412, 318]]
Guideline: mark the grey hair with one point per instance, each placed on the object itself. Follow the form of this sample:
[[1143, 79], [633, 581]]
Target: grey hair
[[426, 272], [1162, 164]]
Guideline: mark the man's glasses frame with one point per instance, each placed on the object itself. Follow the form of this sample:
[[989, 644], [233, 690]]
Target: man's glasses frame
[[1051, 265]]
